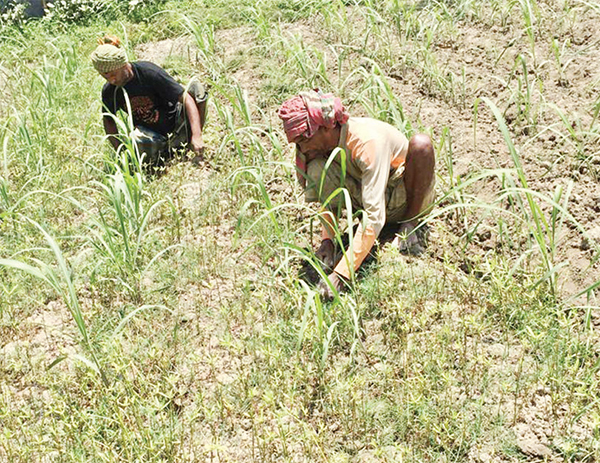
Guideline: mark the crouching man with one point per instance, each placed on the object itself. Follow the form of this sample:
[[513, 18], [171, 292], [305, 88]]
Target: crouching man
[[387, 176], [165, 116]]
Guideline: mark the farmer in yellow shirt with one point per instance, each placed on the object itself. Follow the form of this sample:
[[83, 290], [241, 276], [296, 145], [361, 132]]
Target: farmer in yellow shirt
[[387, 176]]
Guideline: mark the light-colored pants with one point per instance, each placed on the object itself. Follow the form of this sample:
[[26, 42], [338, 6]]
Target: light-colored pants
[[154, 145], [395, 193]]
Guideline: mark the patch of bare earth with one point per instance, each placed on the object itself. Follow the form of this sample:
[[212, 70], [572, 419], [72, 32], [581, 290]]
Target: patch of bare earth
[[47, 336], [488, 61], [158, 52], [488, 57]]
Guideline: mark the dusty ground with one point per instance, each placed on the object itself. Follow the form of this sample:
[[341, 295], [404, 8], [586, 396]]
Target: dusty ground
[[487, 56], [484, 53]]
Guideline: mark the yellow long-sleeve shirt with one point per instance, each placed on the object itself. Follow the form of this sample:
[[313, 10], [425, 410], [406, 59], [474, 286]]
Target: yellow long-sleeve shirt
[[374, 151]]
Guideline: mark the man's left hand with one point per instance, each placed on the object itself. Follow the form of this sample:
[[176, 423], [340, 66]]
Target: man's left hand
[[326, 291]]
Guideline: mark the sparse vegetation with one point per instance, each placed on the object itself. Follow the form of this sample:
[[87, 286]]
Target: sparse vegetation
[[162, 316]]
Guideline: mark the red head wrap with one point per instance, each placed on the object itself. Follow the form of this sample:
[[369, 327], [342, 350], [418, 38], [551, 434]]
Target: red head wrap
[[305, 113]]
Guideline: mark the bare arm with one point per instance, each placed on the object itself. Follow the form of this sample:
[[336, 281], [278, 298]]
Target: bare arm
[[111, 130], [193, 116]]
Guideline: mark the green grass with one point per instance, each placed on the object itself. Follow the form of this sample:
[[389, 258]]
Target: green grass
[[162, 318]]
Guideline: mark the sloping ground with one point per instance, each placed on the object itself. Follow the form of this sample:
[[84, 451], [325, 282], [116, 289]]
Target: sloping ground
[[489, 58], [452, 356], [485, 54]]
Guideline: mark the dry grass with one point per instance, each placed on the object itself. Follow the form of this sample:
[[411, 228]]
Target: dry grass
[[182, 288]]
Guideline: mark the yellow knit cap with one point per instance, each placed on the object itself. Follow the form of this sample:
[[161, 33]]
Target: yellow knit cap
[[108, 57]]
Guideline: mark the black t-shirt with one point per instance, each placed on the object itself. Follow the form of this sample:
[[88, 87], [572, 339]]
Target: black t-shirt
[[153, 95]]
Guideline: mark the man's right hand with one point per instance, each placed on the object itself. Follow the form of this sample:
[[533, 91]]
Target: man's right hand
[[197, 145], [325, 253], [407, 239]]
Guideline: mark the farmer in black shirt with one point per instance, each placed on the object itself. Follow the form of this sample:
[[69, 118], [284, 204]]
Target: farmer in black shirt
[[165, 116]]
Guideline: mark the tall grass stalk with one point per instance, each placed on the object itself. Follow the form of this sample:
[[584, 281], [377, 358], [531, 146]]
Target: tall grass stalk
[[379, 99], [204, 36], [542, 230], [530, 13], [257, 182], [61, 282]]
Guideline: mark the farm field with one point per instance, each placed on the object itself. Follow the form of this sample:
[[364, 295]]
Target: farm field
[[163, 316]]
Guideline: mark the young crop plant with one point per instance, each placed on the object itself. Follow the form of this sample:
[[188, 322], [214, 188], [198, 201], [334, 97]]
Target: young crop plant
[[122, 225], [378, 98], [531, 17], [559, 52], [543, 229], [120, 231], [575, 135], [595, 111], [253, 142], [278, 235], [522, 107], [337, 22], [455, 189], [59, 277], [255, 181], [204, 311], [208, 49], [309, 62]]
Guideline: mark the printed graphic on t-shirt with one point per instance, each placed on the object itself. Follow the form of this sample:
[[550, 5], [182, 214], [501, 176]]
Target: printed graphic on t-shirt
[[144, 110]]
